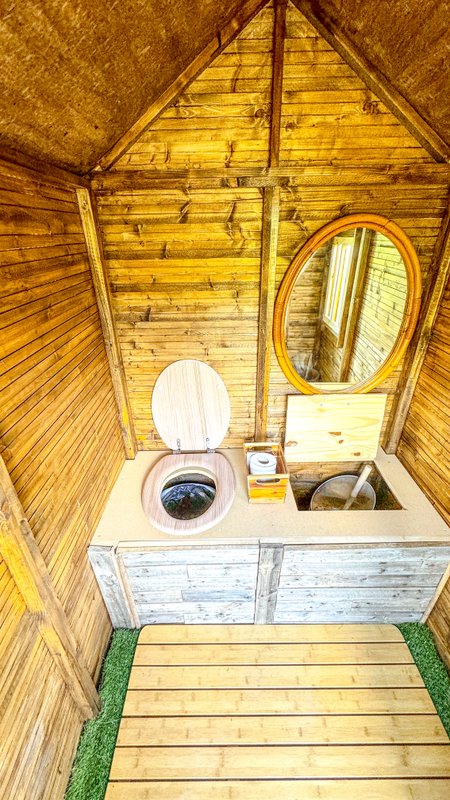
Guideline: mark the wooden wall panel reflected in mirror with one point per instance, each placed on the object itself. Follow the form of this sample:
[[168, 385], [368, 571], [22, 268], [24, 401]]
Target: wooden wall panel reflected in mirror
[[348, 305]]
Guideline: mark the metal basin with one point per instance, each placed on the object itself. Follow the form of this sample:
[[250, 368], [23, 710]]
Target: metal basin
[[332, 494]]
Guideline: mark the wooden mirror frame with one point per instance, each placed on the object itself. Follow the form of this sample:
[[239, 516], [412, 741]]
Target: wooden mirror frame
[[410, 314]]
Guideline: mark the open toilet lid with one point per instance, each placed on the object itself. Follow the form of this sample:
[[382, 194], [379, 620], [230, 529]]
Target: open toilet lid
[[190, 405]]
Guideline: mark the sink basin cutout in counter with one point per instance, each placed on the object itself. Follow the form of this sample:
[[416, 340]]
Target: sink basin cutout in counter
[[309, 477]]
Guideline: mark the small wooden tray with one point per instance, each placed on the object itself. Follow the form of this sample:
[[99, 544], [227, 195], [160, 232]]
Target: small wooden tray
[[267, 488]]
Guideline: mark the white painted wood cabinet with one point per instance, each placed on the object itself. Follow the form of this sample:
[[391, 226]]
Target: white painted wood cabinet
[[267, 583], [358, 584], [186, 585]]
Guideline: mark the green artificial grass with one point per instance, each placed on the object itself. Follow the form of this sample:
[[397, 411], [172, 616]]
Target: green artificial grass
[[434, 673], [98, 739]]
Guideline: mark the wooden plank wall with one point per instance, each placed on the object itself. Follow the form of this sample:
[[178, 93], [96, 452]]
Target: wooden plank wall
[[184, 256], [303, 334], [381, 310], [425, 447], [379, 319], [331, 120], [181, 211], [61, 442]]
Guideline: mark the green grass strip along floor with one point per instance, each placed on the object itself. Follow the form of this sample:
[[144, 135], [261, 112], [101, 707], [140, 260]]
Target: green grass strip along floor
[[434, 673], [96, 748], [98, 739]]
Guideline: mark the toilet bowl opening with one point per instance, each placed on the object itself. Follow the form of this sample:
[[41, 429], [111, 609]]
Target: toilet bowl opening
[[189, 494]]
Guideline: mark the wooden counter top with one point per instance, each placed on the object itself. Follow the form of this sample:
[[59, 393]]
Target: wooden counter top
[[123, 522]]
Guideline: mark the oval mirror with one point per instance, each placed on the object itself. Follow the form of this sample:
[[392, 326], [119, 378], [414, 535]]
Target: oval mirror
[[347, 306]]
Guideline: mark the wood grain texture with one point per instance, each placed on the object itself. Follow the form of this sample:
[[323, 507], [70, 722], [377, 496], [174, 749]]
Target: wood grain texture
[[192, 291], [328, 115], [269, 240], [269, 634], [256, 742], [376, 366], [193, 585], [224, 84], [398, 789], [212, 464], [228, 702], [169, 96], [362, 653], [57, 427], [104, 563], [269, 568], [383, 584], [388, 47], [190, 406], [99, 95], [423, 447], [103, 297], [181, 214], [279, 31], [28, 570], [333, 427], [411, 370]]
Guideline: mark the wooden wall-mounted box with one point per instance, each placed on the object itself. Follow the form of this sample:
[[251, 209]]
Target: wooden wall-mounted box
[[267, 488]]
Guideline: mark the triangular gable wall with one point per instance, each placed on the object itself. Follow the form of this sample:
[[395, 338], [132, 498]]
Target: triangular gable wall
[[222, 120], [184, 212]]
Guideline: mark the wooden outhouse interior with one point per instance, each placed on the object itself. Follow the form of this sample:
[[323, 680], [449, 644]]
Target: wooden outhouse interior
[[161, 165]]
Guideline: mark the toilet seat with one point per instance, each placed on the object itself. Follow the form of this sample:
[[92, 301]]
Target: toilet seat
[[214, 464], [191, 412]]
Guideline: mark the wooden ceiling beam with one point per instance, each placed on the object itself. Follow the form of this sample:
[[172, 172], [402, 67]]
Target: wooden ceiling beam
[[221, 40], [260, 177], [375, 80]]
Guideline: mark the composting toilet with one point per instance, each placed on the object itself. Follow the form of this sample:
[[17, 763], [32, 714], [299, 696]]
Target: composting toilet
[[191, 489]]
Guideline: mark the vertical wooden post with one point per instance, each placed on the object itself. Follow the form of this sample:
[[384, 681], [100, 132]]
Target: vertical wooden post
[[279, 35], [106, 317], [269, 570], [109, 577], [271, 210], [270, 223], [418, 348], [29, 572]]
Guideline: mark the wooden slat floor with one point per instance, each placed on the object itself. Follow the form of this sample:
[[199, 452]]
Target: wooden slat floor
[[298, 712]]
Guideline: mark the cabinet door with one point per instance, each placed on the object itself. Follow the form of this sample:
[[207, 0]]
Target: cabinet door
[[377, 584], [193, 585]]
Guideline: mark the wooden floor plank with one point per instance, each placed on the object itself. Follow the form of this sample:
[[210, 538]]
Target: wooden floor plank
[[363, 729], [299, 712], [147, 703], [268, 677], [241, 634], [223, 654], [422, 789], [302, 762]]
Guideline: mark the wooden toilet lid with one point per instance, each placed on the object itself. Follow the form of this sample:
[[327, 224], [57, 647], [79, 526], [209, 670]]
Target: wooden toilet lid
[[190, 405]]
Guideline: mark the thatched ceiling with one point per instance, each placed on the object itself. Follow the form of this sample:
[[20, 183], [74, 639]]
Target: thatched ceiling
[[77, 73]]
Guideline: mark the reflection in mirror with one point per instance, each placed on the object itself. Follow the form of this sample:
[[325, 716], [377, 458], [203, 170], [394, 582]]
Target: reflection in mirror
[[346, 308]]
